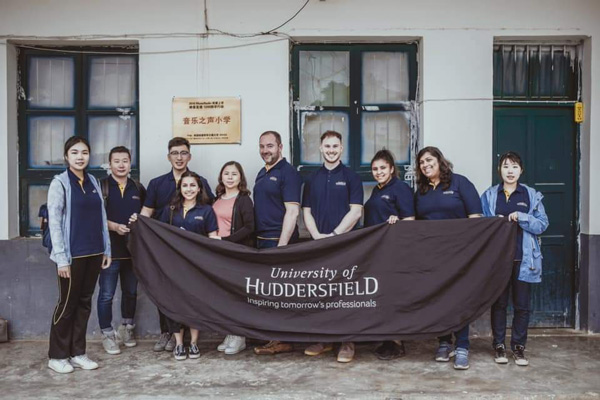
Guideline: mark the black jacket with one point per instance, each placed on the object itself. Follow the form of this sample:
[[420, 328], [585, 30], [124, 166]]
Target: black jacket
[[242, 221]]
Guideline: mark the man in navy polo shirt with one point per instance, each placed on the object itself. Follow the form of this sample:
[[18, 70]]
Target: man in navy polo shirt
[[123, 197], [332, 205], [276, 207], [159, 195]]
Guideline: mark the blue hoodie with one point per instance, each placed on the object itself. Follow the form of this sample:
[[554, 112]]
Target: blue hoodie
[[534, 223], [59, 219]]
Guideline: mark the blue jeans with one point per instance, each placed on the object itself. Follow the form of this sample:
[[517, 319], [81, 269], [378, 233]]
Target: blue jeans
[[520, 300], [266, 244], [108, 286], [461, 336]]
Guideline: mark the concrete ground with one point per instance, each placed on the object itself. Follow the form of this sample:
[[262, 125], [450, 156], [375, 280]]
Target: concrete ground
[[564, 366]]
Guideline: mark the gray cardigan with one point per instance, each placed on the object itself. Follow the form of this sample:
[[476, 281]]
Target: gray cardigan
[[59, 219]]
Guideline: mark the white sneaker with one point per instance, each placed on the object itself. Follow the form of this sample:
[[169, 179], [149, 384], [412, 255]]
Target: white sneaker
[[83, 362], [236, 344], [224, 343], [126, 335], [62, 366], [110, 343]]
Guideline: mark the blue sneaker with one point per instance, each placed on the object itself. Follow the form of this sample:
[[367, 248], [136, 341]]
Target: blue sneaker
[[462, 358], [444, 352]]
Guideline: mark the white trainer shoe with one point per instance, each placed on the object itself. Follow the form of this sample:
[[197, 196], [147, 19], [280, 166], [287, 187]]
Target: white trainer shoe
[[127, 335], [224, 343], [110, 343], [62, 366], [83, 362], [236, 344]]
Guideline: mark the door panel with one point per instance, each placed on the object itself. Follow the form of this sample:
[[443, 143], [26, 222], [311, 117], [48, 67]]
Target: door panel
[[545, 137]]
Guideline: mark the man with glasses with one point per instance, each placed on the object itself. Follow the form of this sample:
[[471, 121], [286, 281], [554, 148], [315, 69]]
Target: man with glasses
[[159, 194]]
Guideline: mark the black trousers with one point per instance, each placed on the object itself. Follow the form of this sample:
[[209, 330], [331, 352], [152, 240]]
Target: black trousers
[[71, 315], [164, 322], [520, 300]]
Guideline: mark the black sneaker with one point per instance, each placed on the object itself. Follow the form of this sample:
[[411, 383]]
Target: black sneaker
[[194, 351], [500, 356], [179, 352], [519, 355], [389, 350]]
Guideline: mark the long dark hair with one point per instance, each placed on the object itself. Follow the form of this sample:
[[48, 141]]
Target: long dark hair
[[242, 186], [386, 156], [201, 198], [445, 169]]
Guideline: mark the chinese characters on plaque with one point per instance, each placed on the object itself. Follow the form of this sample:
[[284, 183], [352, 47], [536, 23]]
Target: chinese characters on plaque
[[207, 120]]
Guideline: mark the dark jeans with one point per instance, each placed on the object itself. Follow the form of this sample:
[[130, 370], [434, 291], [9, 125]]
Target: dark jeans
[[266, 244], [71, 315], [461, 336], [520, 301], [108, 286]]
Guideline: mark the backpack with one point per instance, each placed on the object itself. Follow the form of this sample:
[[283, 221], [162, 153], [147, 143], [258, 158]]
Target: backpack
[[43, 213], [104, 187]]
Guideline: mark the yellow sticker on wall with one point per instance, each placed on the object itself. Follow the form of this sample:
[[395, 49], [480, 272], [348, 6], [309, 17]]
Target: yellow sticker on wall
[[579, 112]]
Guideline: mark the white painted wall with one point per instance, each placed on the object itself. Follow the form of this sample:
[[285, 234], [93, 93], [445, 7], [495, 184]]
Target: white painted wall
[[456, 57]]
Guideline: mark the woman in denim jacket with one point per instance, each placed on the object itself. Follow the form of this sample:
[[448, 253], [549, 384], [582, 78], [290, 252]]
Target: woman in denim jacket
[[521, 204], [80, 247]]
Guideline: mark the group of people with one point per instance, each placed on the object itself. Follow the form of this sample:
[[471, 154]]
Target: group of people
[[89, 221]]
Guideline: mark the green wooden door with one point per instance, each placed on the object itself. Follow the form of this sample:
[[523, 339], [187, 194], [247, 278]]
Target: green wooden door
[[545, 137]]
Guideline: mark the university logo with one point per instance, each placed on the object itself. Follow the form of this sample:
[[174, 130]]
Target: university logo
[[199, 217], [385, 197], [449, 192], [522, 204], [340, 183], [273, 178], [135, 197]]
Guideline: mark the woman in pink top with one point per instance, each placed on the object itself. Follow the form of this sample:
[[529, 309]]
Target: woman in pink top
[[235, 217]]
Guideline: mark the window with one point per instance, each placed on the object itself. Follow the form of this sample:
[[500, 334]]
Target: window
[[365, 92], [536, 72], [66, 93]]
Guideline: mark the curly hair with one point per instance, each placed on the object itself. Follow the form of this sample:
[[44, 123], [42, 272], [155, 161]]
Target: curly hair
[[445, 169], [242, 186], [201, 198]]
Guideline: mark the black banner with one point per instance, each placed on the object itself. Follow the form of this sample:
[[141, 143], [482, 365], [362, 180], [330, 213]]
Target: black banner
[[414, 279]]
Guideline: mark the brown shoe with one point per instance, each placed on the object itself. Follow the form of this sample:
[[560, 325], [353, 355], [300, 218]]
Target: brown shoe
[[273, 347], [346, 353], [318, 348]]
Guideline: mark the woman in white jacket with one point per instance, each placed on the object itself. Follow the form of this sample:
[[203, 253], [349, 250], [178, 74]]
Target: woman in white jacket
[[80, 247]]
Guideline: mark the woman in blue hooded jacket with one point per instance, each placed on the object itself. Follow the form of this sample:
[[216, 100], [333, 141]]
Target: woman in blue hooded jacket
[[522, 204]]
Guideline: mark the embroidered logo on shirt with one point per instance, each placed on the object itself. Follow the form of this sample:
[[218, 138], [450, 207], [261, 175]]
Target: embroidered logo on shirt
[[135, 197], [449, 192], [273, 178], [199, 217], [385, 197], [522, 204], [340, 183]]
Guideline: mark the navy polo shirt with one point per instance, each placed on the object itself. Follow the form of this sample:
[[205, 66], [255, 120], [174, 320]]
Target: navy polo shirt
[[200, 219], [119, 208], [459, 200], [279, 184], [86, 217], [161, 190], [517, 201], [329, 193], [395, 198]]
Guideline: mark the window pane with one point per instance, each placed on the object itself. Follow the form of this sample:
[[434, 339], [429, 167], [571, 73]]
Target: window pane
[[386, 129], [51, 82], [112, 82], [313, 125], [108, 132], [385, 78], [47, 135], [37, 195], [324, 78]]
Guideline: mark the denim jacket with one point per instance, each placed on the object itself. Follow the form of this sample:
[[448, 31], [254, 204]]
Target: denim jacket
[[534, 223], [59, 219]]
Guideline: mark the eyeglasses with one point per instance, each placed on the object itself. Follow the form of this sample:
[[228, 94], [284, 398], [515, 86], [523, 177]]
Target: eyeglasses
[[179, 153]]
